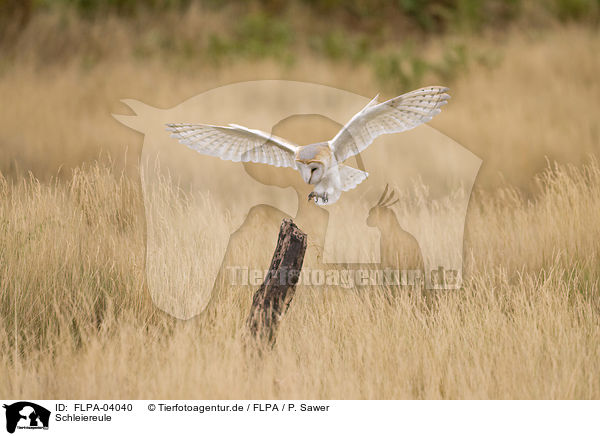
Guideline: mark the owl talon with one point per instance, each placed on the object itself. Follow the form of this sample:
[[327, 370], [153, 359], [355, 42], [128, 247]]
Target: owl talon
[[314, 196]]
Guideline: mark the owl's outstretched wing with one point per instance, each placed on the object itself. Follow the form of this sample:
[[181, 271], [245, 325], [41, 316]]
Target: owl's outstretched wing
[[393, 116], [236, 143]]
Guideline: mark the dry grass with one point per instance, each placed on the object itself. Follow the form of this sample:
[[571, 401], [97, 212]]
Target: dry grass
[[524, 326], [76, 319]]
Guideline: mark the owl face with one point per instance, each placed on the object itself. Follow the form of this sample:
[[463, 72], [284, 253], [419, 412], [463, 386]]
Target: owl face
[[312, 161], [311, 172]]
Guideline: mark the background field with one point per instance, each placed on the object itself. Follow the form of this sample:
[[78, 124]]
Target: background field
[[76, 318]]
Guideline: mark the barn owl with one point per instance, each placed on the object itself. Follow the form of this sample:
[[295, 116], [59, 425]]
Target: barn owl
[[320, 164]]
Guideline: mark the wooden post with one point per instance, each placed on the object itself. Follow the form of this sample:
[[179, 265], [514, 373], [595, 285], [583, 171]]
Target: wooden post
[[274, 296]]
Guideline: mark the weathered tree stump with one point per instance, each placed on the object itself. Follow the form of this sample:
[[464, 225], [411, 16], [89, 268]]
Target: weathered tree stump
[[274, 296]]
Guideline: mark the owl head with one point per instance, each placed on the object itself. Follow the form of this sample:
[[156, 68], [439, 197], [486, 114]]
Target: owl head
[[312, 162]]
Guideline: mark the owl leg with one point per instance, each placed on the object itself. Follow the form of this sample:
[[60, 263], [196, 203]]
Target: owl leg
[[316, 196]]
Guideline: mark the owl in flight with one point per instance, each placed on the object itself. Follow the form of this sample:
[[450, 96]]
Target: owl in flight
[[320, 164]]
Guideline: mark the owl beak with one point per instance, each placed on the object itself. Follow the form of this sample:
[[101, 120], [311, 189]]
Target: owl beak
[[312, 172]]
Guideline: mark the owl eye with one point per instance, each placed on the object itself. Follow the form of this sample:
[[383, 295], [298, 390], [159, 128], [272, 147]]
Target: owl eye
[[312, 170]]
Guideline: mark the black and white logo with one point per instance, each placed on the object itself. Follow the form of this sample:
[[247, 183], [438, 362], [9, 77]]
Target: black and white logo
[[26, 415]]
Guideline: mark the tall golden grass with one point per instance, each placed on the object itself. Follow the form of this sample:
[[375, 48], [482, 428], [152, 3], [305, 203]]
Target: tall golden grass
[[76, 319]]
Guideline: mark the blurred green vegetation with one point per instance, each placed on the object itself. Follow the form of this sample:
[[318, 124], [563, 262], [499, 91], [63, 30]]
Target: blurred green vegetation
[[406, 69], [428, 15], [381, 34], [256, 35]]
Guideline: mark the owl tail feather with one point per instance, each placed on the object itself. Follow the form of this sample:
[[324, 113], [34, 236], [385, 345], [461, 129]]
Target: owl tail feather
[[351, 177]]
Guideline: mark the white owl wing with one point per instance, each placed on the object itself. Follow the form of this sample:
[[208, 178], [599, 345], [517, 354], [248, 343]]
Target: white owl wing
[[236, 143], [393, 116]]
